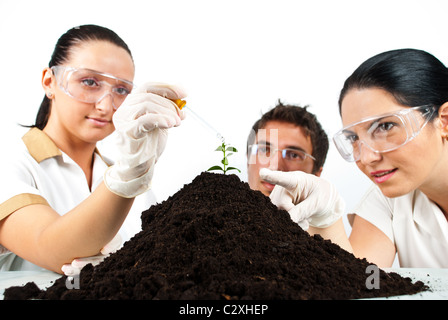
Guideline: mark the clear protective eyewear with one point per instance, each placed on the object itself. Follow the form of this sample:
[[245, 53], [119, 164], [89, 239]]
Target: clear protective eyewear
[[382, 133], [91, 86], [266, 152]]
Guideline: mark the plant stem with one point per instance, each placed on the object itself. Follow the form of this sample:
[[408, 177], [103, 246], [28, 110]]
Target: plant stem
[[224, 147]]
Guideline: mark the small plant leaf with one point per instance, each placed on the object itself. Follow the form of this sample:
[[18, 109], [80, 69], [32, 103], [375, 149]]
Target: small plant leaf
[[225, 161], [233, 149], [233, 168], [220, 148], [215, 168]]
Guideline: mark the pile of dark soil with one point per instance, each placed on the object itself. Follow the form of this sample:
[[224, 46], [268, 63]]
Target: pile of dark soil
[[218, 239]]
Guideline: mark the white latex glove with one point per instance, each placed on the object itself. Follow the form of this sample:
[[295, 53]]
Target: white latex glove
[[142, 124], [74, 268], [310, 200]]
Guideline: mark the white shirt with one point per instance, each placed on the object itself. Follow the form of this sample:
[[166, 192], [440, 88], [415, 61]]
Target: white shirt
[[37, 172], [415, 225]]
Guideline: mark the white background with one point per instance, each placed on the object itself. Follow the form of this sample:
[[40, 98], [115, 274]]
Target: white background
[[235, 58]]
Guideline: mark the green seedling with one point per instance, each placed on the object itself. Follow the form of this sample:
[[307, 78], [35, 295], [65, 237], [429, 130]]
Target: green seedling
[[227, 151]]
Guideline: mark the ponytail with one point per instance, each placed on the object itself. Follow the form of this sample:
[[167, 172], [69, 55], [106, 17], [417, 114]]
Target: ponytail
[[43, 114]]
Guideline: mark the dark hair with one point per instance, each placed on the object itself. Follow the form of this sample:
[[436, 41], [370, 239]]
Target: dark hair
[[64, 45], [414, 77], [300, 117]]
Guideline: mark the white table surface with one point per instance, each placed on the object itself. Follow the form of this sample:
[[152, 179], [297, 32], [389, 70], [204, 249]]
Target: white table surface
[[43, 279], [436, 279]]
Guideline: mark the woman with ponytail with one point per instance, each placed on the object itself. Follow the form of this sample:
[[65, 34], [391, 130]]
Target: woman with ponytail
[[61, 203]]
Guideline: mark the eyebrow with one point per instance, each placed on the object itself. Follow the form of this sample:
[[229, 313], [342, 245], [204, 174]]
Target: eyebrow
[[368, 124], [348, 132], [288, 147], [263, 142], [104, 74]]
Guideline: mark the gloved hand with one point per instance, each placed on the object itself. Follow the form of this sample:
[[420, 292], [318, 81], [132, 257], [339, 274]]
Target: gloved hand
[[74, 268], [141, 124], [310, 200]]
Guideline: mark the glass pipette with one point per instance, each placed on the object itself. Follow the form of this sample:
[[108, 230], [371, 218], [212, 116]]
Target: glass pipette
[[182, 103]]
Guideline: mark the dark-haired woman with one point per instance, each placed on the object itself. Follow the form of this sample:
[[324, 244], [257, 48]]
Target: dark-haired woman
[[59, 199], [394, 110]]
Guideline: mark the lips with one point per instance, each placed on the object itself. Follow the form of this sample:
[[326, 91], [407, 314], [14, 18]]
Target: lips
[[383, 175], [268, 185], [99, 121]]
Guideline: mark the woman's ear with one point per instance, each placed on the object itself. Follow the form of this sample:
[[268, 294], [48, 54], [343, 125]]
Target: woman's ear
[[48, 82], [443, 120]]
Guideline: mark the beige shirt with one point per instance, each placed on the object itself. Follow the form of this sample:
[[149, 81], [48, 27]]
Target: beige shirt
[[415, 225], [38, 172]]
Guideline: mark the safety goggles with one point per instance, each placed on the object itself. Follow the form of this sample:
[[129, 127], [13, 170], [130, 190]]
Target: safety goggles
[[382, 133], [91, 86], [266, 152]]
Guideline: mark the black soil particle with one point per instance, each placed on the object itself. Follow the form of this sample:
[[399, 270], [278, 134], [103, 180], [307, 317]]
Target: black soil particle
[[218, 239]]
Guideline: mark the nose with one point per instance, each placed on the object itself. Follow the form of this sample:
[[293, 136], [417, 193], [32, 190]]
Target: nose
[[106, 102], [367, 155], [276, 162]]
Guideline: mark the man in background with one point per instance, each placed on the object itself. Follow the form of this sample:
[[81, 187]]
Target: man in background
[[289, 146], [286, 138]]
